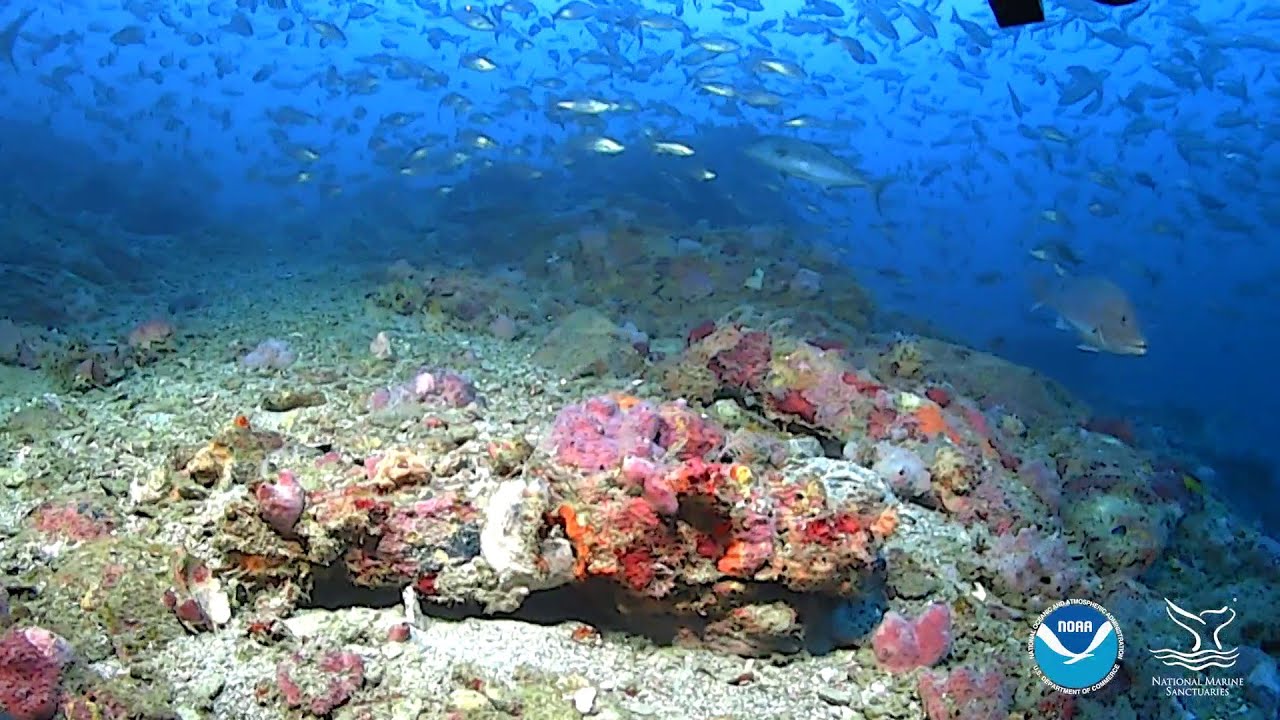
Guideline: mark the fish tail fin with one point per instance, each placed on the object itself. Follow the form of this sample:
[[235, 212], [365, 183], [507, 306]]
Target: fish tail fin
[[877, 191], [9, 37]]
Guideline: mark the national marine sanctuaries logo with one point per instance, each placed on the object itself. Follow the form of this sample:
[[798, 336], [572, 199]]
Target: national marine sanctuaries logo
[[1205, 652], [1199, 657], [1076, 646]]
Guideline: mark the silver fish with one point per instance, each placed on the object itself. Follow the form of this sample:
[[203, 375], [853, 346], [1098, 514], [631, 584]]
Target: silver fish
[[811, 162]]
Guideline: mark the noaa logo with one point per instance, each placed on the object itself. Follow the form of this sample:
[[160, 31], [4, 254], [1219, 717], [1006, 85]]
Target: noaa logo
[[1076, 646]]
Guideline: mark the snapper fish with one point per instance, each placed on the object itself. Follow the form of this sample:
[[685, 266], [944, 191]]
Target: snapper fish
[[1097, 309]]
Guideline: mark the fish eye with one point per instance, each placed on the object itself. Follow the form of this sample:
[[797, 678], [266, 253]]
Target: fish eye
[[1124, 319]]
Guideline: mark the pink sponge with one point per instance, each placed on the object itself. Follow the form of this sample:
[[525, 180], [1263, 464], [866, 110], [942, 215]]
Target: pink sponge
[[600, 432], [964, 694], [608, 431], [902, 645], [31, 661], [281, 503]]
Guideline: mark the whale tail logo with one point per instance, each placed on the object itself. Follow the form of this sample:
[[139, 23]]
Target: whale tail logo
[[1205, 624]]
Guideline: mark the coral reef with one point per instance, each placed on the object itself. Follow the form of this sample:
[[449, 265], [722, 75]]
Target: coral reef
[[604, 508]]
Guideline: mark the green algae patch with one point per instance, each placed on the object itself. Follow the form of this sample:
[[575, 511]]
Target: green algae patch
[[532, 695], [105, 597], [120, 697]]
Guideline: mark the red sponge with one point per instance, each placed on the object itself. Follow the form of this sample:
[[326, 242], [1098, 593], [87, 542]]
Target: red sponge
[[902, 645], [31, 661]]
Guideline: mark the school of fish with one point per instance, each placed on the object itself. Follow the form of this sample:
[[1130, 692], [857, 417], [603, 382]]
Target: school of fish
[[429, 93]]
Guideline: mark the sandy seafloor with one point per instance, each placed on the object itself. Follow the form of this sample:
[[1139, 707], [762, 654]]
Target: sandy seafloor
[[118, 437]]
